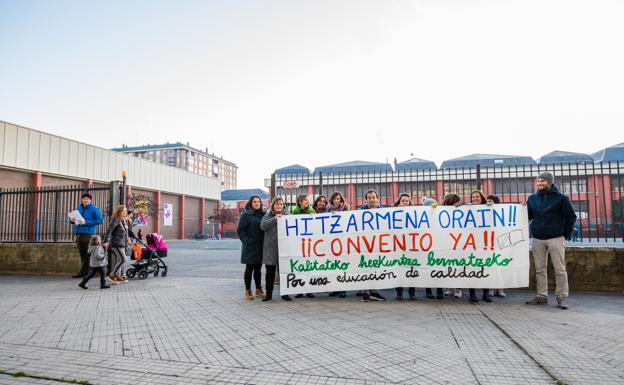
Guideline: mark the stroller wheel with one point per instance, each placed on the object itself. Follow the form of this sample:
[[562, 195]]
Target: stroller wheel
[[130, 273], [142, 274], [164, 273], [156, 273]]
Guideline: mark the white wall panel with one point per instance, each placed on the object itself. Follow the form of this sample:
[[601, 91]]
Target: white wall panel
[[10, 137], [64, 157], [21, 158], [34, 144], [2, 141], [44, 151], [54, 160]]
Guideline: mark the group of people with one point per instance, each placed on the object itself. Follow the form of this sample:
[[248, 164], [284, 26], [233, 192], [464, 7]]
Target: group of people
[[551, 218], [93, 254]]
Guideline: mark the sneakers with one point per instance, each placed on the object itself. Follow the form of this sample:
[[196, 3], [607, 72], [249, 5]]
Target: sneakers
[[83, 285], [375, 296], [309, 295], [259, 293], [538, 300], [457, 294], [112, 279], [342, 294], [105, 287], [248, 295], [286, 298], [563, 303], [120, 279], [299, 296], [365, 297]]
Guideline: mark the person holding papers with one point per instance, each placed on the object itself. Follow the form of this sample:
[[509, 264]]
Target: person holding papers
[[84, 228]]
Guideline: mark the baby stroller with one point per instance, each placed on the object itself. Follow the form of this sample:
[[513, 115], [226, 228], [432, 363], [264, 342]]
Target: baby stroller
[[150, 261]]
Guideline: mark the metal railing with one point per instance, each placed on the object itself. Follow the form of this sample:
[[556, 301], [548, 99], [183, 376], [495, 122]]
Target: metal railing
[[596, 190], [40, 214]]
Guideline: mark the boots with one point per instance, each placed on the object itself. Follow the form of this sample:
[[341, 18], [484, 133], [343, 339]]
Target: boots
[[268, 296], [248, 295], [259, 293], [486, 295], [473, 296], [439, 293]]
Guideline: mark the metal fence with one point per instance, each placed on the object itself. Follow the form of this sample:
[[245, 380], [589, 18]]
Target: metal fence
[[596, 190], [40, 215]]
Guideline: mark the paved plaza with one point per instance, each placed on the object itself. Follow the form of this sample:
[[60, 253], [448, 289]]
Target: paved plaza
[[194, 327]]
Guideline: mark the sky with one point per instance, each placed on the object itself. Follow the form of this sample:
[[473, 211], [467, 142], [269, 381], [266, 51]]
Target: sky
[[267, 84]]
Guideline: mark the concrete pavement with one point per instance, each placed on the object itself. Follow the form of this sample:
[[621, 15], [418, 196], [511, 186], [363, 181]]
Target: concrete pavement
[[194, 327]]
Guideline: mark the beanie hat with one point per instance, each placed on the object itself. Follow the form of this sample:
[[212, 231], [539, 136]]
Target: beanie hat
[[547, 176], [86, 195]]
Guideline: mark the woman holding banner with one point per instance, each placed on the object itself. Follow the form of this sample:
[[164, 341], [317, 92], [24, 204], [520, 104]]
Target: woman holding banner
[[428, 291], [320, 204], [252, 237], [270, 248], [491, 200], [303, 207], [372, 202], [452, 200], [477, 198], [403, 201], [337, 203]]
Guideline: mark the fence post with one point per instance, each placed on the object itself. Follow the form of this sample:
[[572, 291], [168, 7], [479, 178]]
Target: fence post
[[479, 183], [320, 182], [56, 216], [273, 189], [114, 197]]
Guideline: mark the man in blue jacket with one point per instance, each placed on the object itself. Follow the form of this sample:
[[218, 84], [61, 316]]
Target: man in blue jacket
[[85, 229], [551, 218]]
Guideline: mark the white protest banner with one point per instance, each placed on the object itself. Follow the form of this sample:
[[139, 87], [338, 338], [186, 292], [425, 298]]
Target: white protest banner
[[473, 246]]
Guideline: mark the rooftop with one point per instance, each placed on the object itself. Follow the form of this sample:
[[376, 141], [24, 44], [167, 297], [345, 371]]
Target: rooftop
[[243, 194], [151, 147]]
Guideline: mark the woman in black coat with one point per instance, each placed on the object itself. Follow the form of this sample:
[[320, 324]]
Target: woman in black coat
[[252, 237]]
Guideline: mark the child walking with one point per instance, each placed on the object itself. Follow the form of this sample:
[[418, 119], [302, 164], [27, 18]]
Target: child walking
[[97, 262]]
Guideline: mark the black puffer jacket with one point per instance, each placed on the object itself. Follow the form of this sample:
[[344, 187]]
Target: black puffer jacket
[[551, 214], [117, 234], [251, 235]]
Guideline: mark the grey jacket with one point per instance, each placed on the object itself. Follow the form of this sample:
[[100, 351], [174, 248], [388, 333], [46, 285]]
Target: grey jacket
[[270, 252], [98, 256]]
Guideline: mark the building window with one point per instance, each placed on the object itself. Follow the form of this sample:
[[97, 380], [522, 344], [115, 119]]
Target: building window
[[572, 184]]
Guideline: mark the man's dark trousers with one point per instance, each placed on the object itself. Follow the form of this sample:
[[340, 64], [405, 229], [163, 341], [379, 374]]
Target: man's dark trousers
[[83, 246]]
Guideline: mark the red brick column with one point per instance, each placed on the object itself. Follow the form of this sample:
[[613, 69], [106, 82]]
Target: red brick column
[[352, 199], [34, 216], [439, 191], [394, 193], [157, 212], [202, 207], [181, 200]]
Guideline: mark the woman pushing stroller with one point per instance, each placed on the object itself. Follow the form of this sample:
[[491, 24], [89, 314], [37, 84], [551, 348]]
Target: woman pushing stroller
[[118, 240]]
